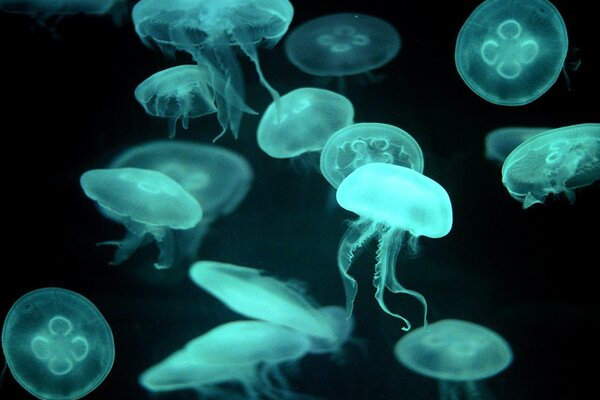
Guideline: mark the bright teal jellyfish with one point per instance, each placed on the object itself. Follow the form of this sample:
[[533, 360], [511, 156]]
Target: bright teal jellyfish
[[218, 178], [397, 205], [58, 7], [510, 52], [57, 344], [147, 203], [459, 354], [362, 143], [302, 121], [209, 30], [554, 162], [501, 141]]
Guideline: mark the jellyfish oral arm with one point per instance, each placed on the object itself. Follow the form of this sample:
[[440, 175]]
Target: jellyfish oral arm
[[125, 247]]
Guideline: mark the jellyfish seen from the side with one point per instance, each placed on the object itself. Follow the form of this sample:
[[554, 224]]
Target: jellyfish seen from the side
[[553, 163], [510, 52], [57, 344], [500, 142], [458, 354], [397, 205], [148, 203], [367, 142]]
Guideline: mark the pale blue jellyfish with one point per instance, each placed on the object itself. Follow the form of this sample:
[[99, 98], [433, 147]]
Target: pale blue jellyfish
[[149, 204], [553, 163], [510, 52], [367, 142], [459, 354], [209, 31], [500, 142], [396, 205], [57, 344], [58, 7]]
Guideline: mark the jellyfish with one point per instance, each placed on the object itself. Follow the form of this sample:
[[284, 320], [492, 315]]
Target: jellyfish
[[218, 178], [501, 141], [58, 7], [302, 121], [510, 52], [554, 162], [397, 205], [57, 344], [366, 142], [459, 354], [148, 203], [208, 31], [342, 44]]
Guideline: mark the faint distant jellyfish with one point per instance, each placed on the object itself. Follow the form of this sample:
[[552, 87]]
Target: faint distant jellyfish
[[501, 141], [510, 52], [459, 354], [397, 205], [362, 143], [57, 7], [553, 162], [57, 344], [302, 121], [208, 30], [148, 203]]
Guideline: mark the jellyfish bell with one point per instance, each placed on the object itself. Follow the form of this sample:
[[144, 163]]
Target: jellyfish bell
[[500, 142]]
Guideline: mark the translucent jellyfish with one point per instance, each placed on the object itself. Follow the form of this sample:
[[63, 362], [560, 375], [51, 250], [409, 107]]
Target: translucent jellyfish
[[302, 121], [58, 7], [553, 162], [218, 178], [501, 141], [510, 52], [459, 354], [397, 205], [209, 30], [57, 344], [362, 143], [148, 203]]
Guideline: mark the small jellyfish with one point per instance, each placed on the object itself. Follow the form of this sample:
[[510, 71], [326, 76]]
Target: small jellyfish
[[459, 354], [510, 52], [397, 205], [362, 143], [57, 344], [147, 203], [302, 121], [501, 141], [553, 162]]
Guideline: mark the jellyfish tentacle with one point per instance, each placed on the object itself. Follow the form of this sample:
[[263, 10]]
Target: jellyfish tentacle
[[165, 240], [125, 247]]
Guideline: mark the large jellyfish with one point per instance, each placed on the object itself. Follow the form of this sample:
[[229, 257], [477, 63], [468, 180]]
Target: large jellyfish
[[57, 344], [500, 142], [397, 205], [208, 30], [510, 52], [459, 354], [148, 203], [553, 163]]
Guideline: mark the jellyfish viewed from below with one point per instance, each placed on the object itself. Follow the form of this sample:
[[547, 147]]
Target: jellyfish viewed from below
[[459, 354], [367, 142], [396, 205], [57, 344], [500, 142], [147, 203], [553, 162], [510, 52]]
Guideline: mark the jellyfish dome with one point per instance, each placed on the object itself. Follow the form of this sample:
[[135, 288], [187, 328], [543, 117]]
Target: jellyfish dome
[[342, 44], [397, 205], [146, 202], [553, 162], [510, 52], [301, 121], [500, 142], [57, 344], [367, 142]]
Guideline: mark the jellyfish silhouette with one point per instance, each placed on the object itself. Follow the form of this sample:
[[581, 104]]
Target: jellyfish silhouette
[[397, 205], [510, 52], [553, 162], [57, 344], [500, 142], [208, 31]]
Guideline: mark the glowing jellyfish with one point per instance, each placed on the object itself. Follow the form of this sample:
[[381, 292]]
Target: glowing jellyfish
[[362, 143], [457, 353], [554, 162], [510, 52], [302, 121], [208, 30], [58, 7], [397, 205], [57, 344], [501, 141], [147, 203]]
